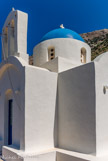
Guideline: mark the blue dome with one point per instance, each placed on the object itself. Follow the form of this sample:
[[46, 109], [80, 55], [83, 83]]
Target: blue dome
[[62, 33]]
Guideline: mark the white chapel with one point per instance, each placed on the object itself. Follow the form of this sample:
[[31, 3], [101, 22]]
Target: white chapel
[[57, 108]]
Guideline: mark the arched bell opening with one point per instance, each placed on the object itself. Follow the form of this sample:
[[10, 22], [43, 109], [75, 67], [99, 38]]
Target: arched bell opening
[[83, 55]]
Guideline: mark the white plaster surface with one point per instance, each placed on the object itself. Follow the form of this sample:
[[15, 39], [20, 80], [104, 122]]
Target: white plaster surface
[[11, 76], [101, 79], [59, 64], [64, 47], [76, 109], [40, 102], [49, 155], [60, 106], [16, 43], [11, 152]]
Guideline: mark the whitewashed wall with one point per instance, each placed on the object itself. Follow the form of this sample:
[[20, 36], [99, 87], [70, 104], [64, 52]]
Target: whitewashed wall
[[101, 72], [40, 103], [64, 47], [76, 109]]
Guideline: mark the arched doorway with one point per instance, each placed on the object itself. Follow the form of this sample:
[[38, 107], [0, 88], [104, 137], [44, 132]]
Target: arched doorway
[[8, 122], [12, 106]]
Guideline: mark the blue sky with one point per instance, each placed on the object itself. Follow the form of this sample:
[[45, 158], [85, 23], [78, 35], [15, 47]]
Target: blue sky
[[45, 15]]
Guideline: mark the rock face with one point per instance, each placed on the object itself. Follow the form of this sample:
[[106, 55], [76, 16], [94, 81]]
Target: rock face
[[97, 40]]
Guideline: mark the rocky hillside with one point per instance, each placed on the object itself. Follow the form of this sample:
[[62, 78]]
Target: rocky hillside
[[98, 41]]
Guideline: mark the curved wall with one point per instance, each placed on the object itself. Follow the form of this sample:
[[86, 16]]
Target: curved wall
[[64, 47]]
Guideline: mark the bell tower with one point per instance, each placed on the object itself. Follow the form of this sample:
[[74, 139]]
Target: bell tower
[[14, 35]]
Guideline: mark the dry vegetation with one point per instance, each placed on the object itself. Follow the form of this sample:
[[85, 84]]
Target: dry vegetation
[[98, 41]]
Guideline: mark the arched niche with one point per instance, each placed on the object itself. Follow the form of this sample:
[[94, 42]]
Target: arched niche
[[12, 38], [83, 55], [5, 43]]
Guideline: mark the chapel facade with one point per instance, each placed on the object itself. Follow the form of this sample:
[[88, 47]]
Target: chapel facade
[[55, 110]]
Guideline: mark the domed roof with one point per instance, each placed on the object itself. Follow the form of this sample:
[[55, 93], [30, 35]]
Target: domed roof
[[62, 33]]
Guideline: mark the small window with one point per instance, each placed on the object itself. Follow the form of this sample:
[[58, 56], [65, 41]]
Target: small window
[[52, 50], [51, 53], [83, 55]]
